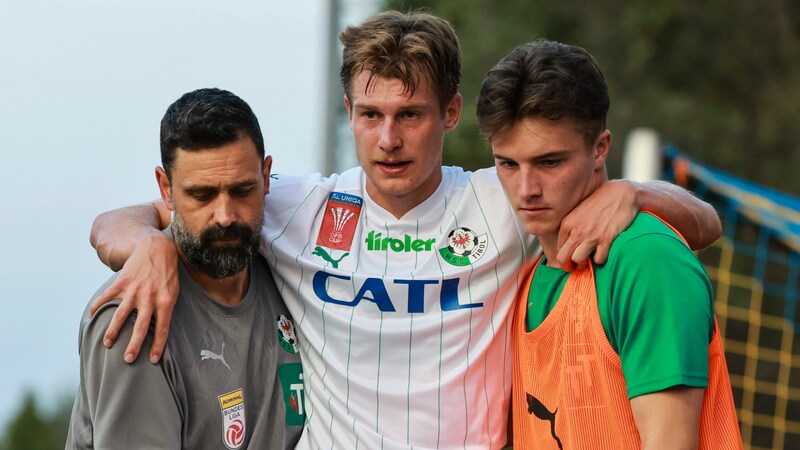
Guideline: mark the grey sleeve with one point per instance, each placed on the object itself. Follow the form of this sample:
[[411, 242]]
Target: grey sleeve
[[120, 405]]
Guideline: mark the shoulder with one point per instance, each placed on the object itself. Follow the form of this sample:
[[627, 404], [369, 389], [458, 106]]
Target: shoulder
[[644, 263], [93, 327], [289, 192], [641, 272], [487, 176], [480, 185], [289, 183], [93, 353], [648, 236], [102, 317], [293, 185]]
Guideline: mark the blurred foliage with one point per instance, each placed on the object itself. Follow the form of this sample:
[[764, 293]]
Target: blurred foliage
[[34, 429], [718, 78]]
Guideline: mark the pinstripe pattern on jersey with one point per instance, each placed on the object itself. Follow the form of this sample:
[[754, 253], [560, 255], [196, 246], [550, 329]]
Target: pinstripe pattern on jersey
[[394, 378]]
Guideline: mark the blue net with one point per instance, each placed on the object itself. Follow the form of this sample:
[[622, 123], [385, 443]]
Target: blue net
[[755, 269]]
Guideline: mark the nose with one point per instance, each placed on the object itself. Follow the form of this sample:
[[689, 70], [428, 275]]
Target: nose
[[390, 137], [528, 185], [224, 211]]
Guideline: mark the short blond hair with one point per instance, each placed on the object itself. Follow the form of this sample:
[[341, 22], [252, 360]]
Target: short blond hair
[[404, 46]]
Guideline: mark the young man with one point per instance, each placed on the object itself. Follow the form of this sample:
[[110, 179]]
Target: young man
[[400, 273], [230, 377], [624, 354]]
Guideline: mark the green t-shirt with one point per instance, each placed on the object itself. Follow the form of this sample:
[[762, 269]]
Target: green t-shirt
[[655, 302]]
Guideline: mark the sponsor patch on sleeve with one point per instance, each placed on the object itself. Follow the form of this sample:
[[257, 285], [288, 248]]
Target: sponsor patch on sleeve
[[340, 221], [291, 378]]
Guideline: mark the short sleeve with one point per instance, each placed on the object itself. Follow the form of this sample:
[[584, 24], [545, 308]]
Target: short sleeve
[[661, 313], [127, 405]]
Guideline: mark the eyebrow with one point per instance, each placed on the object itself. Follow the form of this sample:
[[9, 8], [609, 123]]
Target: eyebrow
[[205, 187], [549, 155], [404, 107]]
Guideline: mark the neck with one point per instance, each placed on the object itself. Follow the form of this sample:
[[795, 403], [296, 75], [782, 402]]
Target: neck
[[399, 205], [229, 290], [550, 249]]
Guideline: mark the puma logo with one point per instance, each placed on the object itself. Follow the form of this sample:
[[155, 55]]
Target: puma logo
[[319, 251], [208, 354], [541, 412]]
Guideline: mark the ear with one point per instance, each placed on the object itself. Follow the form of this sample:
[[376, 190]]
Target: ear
[[601, 148], [347, 107], [267, 170], [164, 188], [453, 112]]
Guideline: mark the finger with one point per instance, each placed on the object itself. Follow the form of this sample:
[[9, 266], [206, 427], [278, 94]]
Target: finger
[[583, 252], [117, 321], [565, 251], [140, 328], [163, 317], [564, 232], [109, 294], [601, 253]]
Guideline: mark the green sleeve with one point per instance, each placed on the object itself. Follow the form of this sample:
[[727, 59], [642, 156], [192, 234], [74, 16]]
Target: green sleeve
[[658, 307]]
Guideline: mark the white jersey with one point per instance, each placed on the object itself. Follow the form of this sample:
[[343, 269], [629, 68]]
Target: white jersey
[[404, 324]]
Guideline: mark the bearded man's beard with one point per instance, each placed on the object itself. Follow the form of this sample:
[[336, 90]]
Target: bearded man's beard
[[218, 260]]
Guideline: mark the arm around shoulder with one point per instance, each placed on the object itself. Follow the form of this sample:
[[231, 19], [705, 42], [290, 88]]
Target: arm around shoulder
[[129, 239], [116, 233], [695, 219]]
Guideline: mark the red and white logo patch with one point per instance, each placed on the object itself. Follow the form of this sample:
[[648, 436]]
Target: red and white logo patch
[[234, 435], [339, 223], [233, 425]]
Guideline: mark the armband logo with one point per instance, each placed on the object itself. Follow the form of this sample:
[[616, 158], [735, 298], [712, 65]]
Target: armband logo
[[463, 247]]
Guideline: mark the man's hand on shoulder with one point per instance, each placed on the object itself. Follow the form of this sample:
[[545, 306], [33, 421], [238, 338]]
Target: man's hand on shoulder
[[589, 230], [147, 283]]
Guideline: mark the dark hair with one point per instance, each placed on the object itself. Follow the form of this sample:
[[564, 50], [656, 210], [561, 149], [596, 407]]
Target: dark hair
[[206, 118], [544, 79], [405, 46]]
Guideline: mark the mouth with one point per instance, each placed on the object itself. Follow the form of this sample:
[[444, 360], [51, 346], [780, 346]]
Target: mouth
[[532, 211], [225, 242], [393, 167]]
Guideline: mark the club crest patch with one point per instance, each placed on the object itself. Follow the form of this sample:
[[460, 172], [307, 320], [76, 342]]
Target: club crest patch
[[463, 247], [340, 220], [233, 427], [286, 336]]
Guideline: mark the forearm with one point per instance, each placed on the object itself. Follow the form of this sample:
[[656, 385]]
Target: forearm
[[696, 220], [116, 233]]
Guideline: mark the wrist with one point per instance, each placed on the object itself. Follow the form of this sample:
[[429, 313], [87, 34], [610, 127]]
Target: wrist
[[640, 195], [156, 241]]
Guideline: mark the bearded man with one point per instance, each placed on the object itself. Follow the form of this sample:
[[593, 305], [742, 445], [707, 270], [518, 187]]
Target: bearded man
[[231, 376]]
